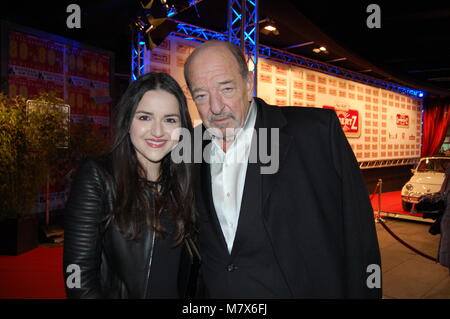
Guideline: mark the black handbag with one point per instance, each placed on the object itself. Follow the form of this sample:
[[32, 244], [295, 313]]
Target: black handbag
[[431, 204], [192, 289]]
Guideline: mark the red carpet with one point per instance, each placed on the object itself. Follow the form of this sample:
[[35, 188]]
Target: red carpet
[[36, 274], [390, 202]]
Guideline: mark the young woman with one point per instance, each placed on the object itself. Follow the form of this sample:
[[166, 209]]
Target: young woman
[[130, 212]]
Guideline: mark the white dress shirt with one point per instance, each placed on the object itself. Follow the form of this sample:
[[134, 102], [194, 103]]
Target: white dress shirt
[[228, 170]]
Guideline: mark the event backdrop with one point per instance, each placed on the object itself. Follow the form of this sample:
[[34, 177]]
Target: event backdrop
[[379, 124], [81, 76]]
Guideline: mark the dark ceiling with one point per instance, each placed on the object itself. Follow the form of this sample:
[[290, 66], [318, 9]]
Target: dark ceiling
[[411, 48]]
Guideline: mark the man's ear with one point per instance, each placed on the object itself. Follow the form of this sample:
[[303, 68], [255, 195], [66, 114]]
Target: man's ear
[[250, 83]]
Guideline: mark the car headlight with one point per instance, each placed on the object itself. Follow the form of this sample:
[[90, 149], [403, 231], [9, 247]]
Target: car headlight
[[409, 187]]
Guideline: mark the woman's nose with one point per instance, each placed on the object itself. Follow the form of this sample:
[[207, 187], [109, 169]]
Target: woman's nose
[[157, 129]]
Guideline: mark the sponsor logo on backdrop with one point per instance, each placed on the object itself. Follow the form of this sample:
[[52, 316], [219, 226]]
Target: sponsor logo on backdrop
[[160, 57], [280, 70], [165, 45], [298, 85], [157, 68], [266, 67], [280, 81], [280, 92], [298, 94], [310, 77], [402, 120], [265, 78], [180, 61], [349, 119], [182, 48]]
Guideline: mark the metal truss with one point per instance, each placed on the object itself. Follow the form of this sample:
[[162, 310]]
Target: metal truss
[[139, 64], [137, 54], [289, 58], [198, 34], [387, 163], [194, 33], [243, 30], [173, 11]]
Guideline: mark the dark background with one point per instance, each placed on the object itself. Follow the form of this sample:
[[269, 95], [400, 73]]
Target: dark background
[[411, 47]]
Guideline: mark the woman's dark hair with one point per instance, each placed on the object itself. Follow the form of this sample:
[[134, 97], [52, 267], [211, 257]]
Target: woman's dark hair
[[138, 203]]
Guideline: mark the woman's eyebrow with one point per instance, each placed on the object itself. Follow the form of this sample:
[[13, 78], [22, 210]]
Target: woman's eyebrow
[[144, 112]]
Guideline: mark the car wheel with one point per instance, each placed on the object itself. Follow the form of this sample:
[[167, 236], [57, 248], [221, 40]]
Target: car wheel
[[406, 206]]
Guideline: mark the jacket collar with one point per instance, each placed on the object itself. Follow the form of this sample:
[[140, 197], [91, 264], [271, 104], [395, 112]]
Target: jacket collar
[[269, 117]]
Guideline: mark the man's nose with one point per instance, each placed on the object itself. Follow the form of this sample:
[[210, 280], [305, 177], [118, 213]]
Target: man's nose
[[216, 103]]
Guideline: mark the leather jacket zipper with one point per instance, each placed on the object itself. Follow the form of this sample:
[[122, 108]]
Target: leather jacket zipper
[[149, 265]]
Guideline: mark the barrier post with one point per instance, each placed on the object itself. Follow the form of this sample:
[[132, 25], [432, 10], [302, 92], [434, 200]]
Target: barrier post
[[380, 190]]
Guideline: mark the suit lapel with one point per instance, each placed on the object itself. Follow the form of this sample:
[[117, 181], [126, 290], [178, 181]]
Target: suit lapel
[[251, 197], [258, 187], [272, 118]]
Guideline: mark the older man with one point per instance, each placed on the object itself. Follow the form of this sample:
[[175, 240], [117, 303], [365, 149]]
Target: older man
[[304, 230]]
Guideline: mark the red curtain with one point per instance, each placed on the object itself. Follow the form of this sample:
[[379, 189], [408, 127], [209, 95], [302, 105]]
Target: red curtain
[[435, 121]]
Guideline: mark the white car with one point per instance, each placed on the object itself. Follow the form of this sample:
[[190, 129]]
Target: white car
[[427, 178]]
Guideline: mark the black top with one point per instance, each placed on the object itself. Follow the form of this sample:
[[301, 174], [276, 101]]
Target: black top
[[163, 281], [112, 266]]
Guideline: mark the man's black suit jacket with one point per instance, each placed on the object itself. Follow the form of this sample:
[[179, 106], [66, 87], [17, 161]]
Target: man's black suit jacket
[[315, 208]]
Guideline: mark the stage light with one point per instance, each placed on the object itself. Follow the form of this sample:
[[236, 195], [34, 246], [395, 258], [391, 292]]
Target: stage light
[[147, 4], [157, 31], [140, 24], [154, 23], [268, 26], [321, 49]]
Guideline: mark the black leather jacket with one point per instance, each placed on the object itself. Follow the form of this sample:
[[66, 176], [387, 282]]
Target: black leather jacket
[[110, 266]]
